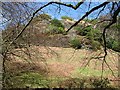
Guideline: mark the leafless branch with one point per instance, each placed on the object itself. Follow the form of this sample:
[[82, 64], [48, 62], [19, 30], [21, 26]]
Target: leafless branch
[[87, 13], [114, 19], [59, 3]]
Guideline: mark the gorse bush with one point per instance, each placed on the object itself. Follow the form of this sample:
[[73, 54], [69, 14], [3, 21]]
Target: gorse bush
[[57, 23], [44, 16], [79, 30], [95, 45], [109, 42], [116, 46], [56, 27], [113, 44], [75, 43], [66, 17], [94, 34], [91, 34], [55, 30], [83, 31], [93, 21], [41, 17]]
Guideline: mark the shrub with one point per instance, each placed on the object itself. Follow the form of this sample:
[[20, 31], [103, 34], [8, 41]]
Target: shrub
[[89, 32], [101, 83], [95, 45], [75, 43], [93, 21], [79, 30], [95, 37], [57, 23], [113, 44], [66, 17], [109, 42], [41, 17], [27, 79], [55, 30], [116, 46], [87, 29], [83, 31], [94, 34], [44, 16], [56, 27], [74, 83]]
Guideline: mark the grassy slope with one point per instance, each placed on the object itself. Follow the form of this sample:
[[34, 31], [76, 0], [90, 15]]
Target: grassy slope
[[48, 66]]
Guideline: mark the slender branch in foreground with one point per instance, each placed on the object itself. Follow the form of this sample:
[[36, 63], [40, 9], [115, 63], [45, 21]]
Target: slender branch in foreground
[[87, 13], [59, 3], [114, 19]]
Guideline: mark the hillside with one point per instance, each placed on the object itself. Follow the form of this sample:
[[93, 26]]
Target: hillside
[[42, 32], [58, 65], [45, 56]]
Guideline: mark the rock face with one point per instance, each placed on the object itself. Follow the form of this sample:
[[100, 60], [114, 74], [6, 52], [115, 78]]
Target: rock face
[[67, 23], [84, 23], [41, 26]]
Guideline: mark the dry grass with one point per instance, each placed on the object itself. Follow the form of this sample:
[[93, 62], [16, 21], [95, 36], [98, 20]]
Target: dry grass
[[62, 62], [55, 62]]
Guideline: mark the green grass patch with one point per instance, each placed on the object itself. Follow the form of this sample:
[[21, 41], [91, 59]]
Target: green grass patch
[[87, 71], [33, 80]]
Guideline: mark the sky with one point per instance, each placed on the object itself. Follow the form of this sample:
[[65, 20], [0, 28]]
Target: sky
[[55, 12], [52, 0]]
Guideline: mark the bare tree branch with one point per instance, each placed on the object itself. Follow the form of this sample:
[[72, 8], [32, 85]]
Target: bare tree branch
[[87, 13], [59, 3], [114, 19]]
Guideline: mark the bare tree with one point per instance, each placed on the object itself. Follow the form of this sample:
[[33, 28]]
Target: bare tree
[[17, 14]]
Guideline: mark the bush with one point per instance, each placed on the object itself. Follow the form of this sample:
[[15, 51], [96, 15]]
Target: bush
[[116, 46], [41, 17], [95, 45], [93, 21], [55, 30], [83, 31], [95, 37], [109, 42], [75, 43], [101, 83], [113, 44], [57, 23], [89, 32], [27, 79], [56, 27], [44, 16], [94, 34], [79, 30], [66, 17]]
